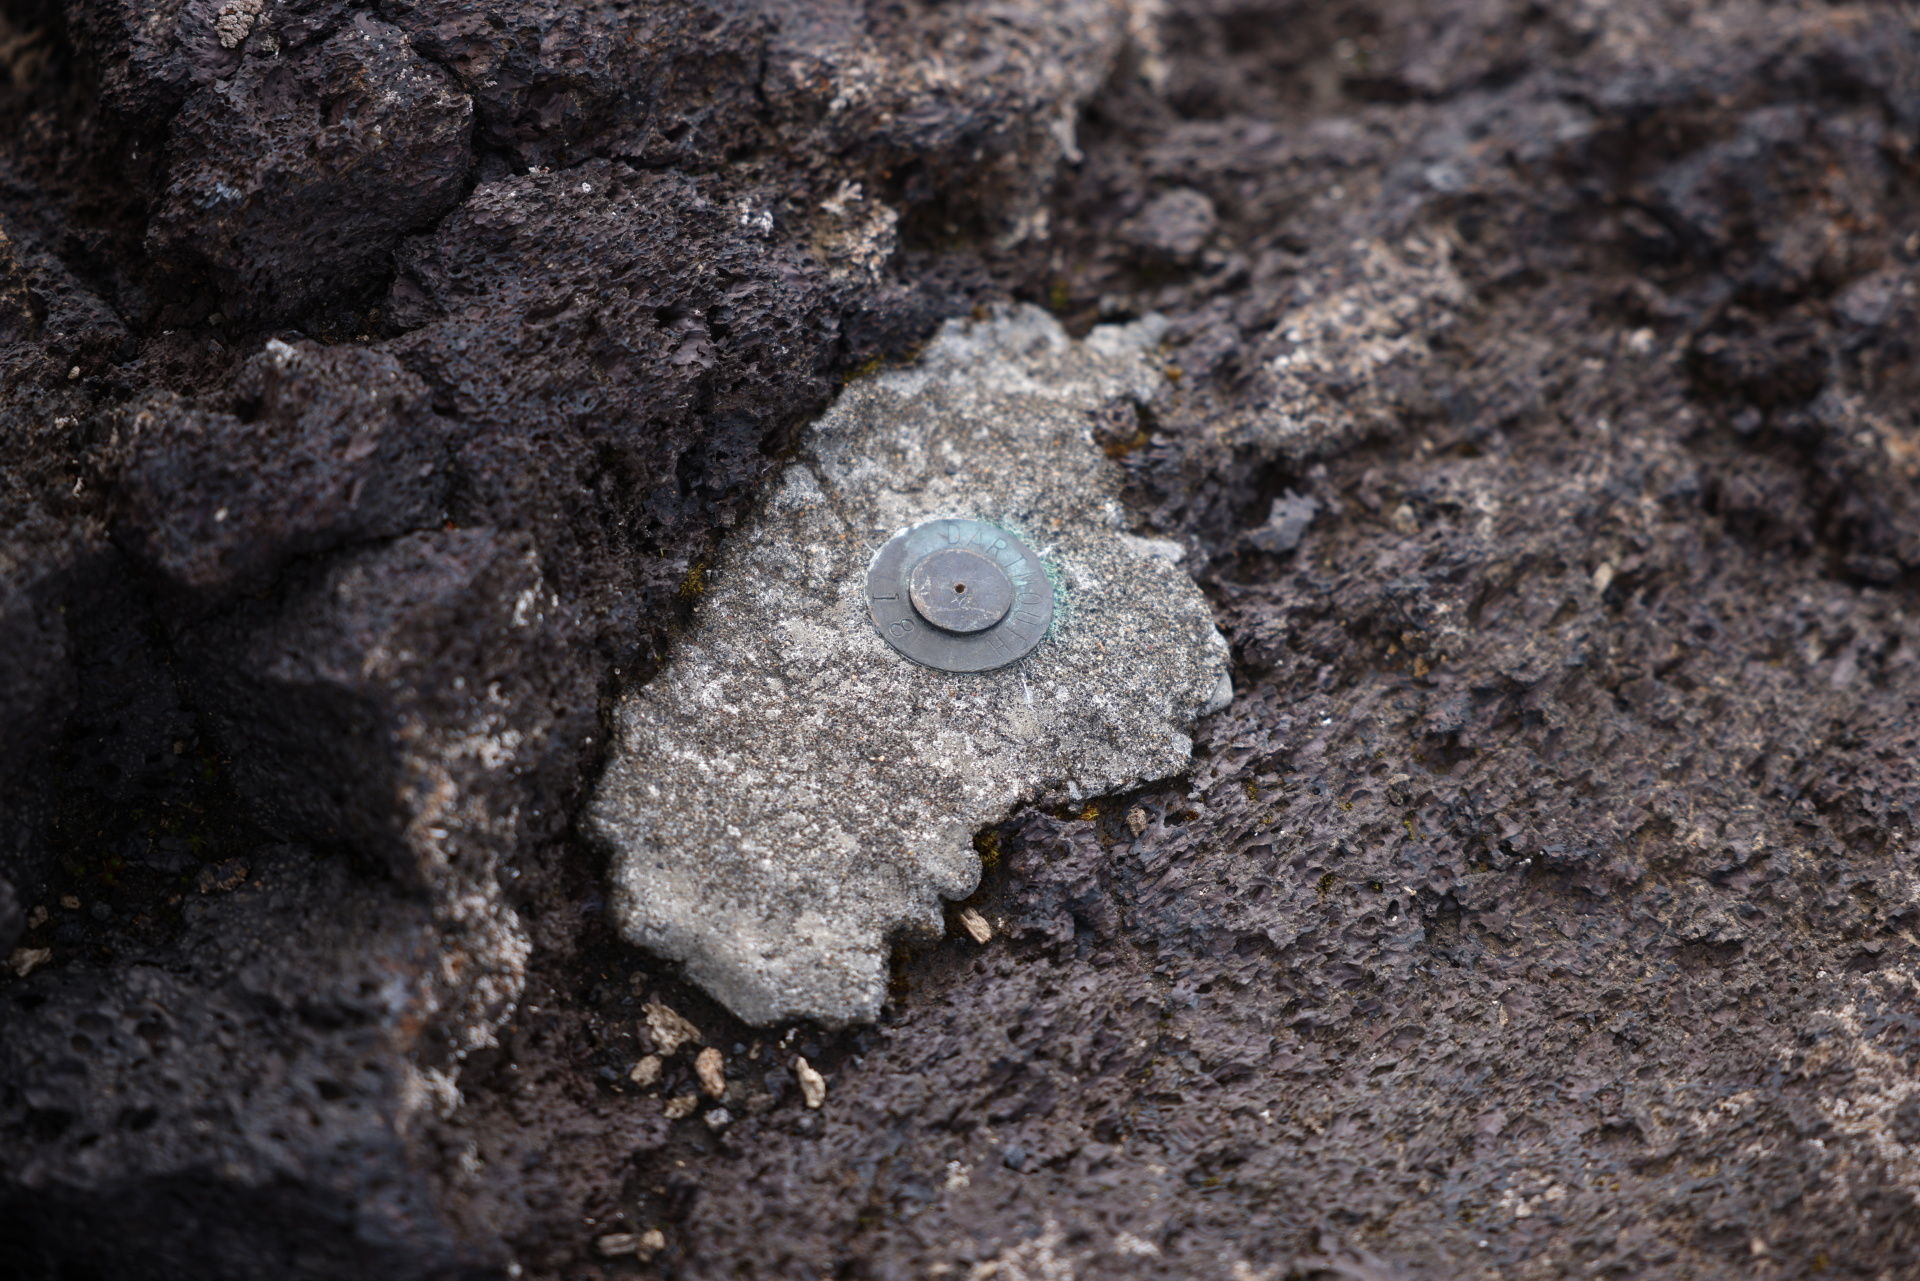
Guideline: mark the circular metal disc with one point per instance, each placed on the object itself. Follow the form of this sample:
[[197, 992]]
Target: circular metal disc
[[921, 636], [959, 590]]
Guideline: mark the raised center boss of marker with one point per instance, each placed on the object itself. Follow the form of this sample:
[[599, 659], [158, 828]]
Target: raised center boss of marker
[[959, 590]]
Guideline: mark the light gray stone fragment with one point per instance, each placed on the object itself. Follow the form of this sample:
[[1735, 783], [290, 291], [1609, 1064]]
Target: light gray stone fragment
[[1286, 523], [790, 793], [1176, 224]]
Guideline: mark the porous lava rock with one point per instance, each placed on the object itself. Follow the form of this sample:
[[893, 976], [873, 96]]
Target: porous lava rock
[[324, 446], [291, 181], [314, 635], [146, 59], [1542, 905]]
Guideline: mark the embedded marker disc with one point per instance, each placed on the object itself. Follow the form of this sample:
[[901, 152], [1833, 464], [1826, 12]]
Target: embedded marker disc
[[959, 595]]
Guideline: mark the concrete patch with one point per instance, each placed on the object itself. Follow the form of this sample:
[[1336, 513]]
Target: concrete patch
[[790, 793]]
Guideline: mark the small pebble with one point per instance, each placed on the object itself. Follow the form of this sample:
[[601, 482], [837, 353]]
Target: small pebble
[[682, 1107], [642, 1245], [1286, 524], [813, 1086], [718, 1119], [617, 1243], [70, 901], [670, 1031], [25, 960], [975, 925], [711, 1069], [1136, 820], [222, 876], [646, 1072]]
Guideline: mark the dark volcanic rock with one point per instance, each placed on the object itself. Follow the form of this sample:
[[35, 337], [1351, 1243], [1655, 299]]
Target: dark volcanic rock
[[325, 698], [291, 181], [969, 104], [1175, 225], [630, 342], [324, 447], [36, 693], [148, 57], [13, 918], [51, 323], [248, 1104], [560, 82], [1543, 905]]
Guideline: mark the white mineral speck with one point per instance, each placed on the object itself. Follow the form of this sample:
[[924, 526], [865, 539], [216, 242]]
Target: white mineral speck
[[813, 1086], [668, 1029], [975, 925], [615, 1244], [711, 1070]]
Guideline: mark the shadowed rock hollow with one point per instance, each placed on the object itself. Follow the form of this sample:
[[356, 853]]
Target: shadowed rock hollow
[[1536, 413]]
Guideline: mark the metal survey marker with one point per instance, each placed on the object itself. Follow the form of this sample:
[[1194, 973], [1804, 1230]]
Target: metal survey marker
[[959, 595]]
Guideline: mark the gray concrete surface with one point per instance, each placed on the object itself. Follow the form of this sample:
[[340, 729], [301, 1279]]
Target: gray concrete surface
[[790, 793]]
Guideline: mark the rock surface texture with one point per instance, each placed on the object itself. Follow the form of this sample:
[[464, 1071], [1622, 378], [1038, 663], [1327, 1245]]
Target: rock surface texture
[[382, 388], [790, 792]]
